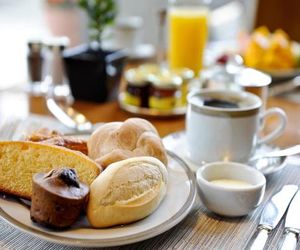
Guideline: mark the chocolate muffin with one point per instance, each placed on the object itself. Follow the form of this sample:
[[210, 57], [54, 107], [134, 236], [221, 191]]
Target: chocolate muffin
[[58, 198]]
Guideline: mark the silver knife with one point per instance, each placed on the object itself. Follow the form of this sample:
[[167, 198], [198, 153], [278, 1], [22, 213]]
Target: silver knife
[[70, 117], [271, 215], [292, 224]]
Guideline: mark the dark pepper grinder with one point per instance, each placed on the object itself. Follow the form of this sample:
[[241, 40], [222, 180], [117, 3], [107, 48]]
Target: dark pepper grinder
[[35, 60]]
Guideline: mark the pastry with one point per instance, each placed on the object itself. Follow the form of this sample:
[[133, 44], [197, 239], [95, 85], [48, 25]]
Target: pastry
[[127, 191], [68, 142], [20, 160], [52, 137], [58, 198], [42, 134], [117, 141]]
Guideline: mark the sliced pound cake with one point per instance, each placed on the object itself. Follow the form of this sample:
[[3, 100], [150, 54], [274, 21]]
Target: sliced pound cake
[[20, 160]]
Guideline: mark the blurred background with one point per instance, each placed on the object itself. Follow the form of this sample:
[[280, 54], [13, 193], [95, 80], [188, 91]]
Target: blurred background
[[22, 20]]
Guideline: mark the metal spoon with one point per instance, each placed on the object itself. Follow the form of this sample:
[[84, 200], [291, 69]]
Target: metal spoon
[[272, 160]]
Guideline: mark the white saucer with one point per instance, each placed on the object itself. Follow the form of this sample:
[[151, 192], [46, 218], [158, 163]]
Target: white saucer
[[176, 142], [142, 51], [139, 52]]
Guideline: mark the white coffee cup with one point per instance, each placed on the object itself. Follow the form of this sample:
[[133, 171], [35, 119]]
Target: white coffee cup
[[220, 133]]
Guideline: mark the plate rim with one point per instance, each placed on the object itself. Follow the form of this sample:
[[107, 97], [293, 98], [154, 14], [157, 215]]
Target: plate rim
[[282, 73], [123, 240], [265, 173]]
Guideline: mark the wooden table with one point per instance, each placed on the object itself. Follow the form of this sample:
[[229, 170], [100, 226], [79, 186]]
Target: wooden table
[[201, 229], [20, 104]]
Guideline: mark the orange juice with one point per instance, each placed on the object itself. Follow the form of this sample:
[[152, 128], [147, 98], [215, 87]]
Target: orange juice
[[187, 37]]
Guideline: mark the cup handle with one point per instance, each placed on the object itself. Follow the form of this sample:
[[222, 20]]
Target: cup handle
[[277, 131]]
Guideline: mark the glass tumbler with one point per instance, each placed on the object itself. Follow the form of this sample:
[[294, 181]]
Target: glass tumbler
[[187, 34]]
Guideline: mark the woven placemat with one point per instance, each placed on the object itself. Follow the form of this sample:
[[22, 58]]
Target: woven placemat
[[201, 229]]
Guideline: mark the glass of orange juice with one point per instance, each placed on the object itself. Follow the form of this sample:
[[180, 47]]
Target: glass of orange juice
[[188, 32]]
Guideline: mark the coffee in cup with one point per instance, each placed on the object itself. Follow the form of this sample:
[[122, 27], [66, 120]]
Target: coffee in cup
[[225, 125]]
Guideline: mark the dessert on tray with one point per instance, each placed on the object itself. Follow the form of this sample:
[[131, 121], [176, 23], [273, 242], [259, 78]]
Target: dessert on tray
[[271, 51]]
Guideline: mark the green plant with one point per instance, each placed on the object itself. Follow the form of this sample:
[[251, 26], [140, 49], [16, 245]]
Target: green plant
[[101, 14]]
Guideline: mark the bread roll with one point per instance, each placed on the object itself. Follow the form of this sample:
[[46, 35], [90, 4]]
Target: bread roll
[[127, 191], [116, 141], [19, 161]]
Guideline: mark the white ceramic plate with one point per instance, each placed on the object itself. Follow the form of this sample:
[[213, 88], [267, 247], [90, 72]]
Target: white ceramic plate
[[174, 208], [283, 75], [176, 142], [142, 51]]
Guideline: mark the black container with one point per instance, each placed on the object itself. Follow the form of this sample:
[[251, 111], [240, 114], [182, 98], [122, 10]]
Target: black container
[[94, 74]]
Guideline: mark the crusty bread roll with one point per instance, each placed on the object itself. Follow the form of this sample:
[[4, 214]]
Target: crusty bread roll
[[116, 141], [127, 191], [20, 160]]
